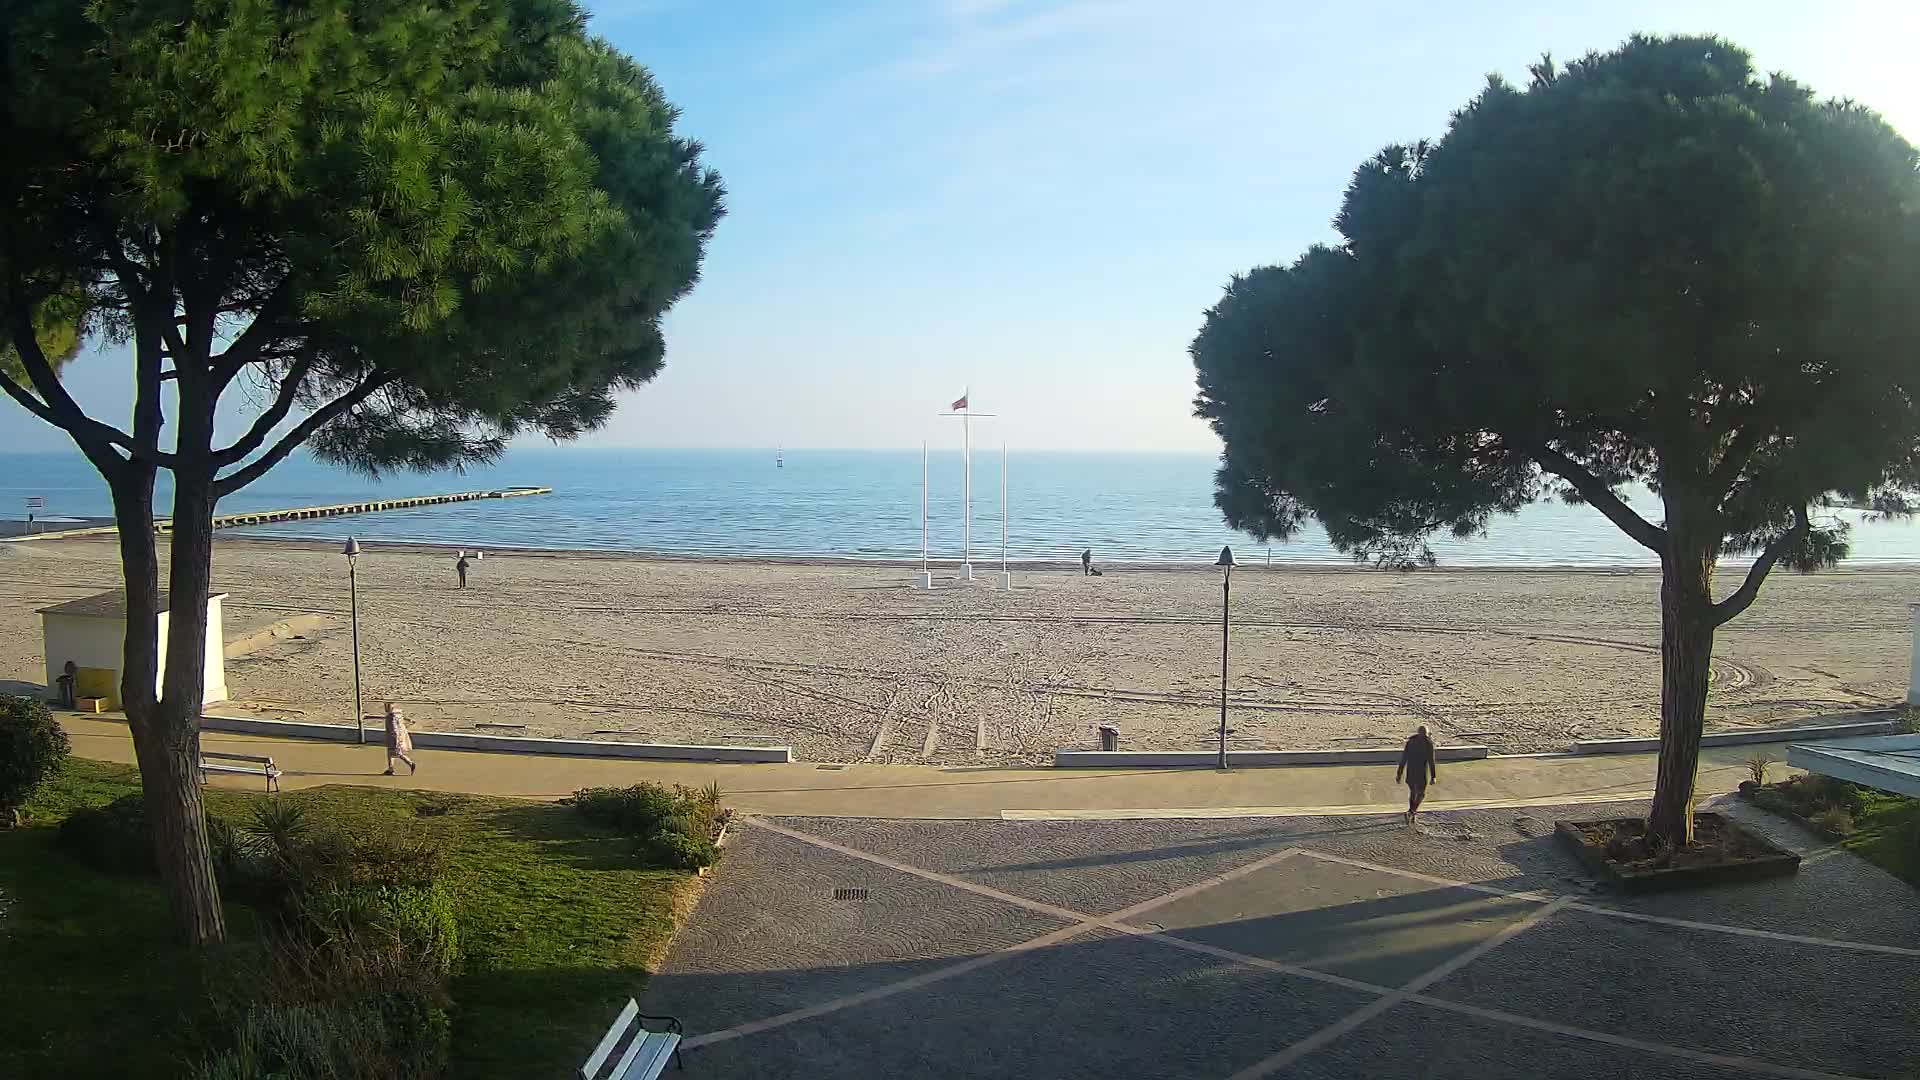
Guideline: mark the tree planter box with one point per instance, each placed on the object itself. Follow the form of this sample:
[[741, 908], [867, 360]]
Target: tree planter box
[[1730, 853]]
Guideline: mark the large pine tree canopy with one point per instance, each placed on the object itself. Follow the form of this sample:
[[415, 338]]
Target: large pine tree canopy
[[429, 225], [403, 231], [1651, 267]]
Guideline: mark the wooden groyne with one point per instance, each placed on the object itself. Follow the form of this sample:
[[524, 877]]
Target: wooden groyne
[[373, 506], [301, 513]]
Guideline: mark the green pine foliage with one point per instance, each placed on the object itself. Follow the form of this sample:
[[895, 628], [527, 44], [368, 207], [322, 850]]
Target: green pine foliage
[[421, 227], [475, 205], [1650, 268]]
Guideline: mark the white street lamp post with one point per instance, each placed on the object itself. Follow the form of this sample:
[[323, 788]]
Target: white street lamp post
[[352, 552], [1225, 562]]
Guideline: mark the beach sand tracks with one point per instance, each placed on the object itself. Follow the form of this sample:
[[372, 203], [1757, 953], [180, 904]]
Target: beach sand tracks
[[846, 664]]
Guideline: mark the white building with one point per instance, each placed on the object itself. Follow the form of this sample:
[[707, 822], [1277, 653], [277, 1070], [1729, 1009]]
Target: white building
[[91, 632]]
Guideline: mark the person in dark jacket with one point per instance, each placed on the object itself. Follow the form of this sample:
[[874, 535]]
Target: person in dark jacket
[[1417, 767], [461, 569], [1086, 563]]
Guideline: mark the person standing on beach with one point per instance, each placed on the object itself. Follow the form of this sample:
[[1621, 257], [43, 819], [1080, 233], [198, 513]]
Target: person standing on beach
[[1086, 563], [1417, 767], [399, 741], [461, 569]]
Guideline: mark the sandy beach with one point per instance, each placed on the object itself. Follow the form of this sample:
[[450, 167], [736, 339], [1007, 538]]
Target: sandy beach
[[847, 663]]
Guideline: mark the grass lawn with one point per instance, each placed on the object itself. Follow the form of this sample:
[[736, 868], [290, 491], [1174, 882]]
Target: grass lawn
[[1888, 835], [559, 924]]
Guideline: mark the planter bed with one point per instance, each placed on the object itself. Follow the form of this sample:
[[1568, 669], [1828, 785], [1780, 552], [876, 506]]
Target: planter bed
[[1615, 850]]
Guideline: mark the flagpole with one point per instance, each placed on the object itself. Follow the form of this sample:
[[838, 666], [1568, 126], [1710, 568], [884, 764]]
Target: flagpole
[[966, 437], [963, 409], [1003, 513], [923, 507]]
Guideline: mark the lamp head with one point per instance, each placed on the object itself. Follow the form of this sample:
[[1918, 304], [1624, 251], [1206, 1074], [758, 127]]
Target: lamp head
[[1226, 558], [352, 549]]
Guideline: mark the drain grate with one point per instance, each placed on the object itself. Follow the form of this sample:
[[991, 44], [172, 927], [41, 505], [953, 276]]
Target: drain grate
[[849, 894], [829, 768]]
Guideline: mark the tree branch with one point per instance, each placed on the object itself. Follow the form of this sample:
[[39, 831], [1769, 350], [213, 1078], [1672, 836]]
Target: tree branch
[[247, 347], [1601, 497], [263, 425], [1740, 450], [315, 420], [1749, 590], [27, 401], [55, 405]]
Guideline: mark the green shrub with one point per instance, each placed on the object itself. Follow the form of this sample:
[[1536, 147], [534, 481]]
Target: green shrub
[[396, 1034], [112, 838], [408, 930], [1827, 792], [1835, 821], [679, 850], [638, 810], [32, 748], [351, 980], [675, 826]]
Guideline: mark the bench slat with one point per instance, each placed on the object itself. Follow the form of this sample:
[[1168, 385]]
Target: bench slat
[[612, 1039], [655, 1050], [648, 1056], [236, 757]]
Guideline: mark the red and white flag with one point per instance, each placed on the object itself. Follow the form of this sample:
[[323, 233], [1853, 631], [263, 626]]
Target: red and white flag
[[962, 403]]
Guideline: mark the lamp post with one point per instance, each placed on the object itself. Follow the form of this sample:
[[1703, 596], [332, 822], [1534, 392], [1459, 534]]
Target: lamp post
[[352, 552], [1225, 562]]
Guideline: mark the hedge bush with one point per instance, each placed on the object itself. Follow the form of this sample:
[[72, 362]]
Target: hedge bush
[[675, 826], [389, 1035], [115, 839], [32, 748], [363, 939]]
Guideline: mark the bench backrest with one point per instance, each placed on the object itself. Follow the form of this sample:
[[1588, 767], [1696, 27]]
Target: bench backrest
[[626, 1020], [256, 758]]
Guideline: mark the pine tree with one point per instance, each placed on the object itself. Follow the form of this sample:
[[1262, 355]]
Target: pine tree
[[421, 228]]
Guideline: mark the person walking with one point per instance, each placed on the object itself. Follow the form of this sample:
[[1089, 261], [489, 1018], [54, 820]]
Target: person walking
[[461, 569], [1417, 767], [1086, 563], [399, 741]]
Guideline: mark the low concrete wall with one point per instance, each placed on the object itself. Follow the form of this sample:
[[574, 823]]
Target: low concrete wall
[[1174, 759], [505, 744], [287, 729], [1737, 738]]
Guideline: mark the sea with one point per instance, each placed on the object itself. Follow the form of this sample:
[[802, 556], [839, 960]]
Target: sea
[[850, 504]]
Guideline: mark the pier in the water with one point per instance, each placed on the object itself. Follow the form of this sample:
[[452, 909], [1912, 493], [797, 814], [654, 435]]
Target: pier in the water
[[370, 506], [298, 513]]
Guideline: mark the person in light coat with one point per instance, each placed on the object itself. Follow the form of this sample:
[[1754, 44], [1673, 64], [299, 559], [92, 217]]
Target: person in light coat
[[399, 741]]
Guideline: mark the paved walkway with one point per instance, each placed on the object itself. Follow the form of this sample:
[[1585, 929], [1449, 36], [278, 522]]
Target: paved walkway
[[918, 791], [1311, 947], [1265, 922]]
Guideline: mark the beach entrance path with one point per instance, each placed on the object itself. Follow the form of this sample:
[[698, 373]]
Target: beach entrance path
[[1298, 947]]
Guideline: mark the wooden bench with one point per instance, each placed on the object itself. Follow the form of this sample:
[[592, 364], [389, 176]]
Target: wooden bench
[[645, 1052], [247, 764]]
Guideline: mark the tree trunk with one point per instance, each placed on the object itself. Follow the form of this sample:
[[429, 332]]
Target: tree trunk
[[166, 735], [1686, 654], [179, 818], [170, 778]]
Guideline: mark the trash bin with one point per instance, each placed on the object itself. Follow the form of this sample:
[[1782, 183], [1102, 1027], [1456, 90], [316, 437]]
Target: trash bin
[[68, 673], [1109, 738]]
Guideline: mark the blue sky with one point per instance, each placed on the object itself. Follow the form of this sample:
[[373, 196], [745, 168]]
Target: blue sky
[[1039, 200]]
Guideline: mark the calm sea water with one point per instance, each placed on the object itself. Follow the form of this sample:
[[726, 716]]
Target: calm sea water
[[847, 504]]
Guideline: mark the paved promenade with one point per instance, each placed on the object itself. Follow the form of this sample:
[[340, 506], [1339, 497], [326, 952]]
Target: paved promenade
[[916, 791], [915, 921]]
